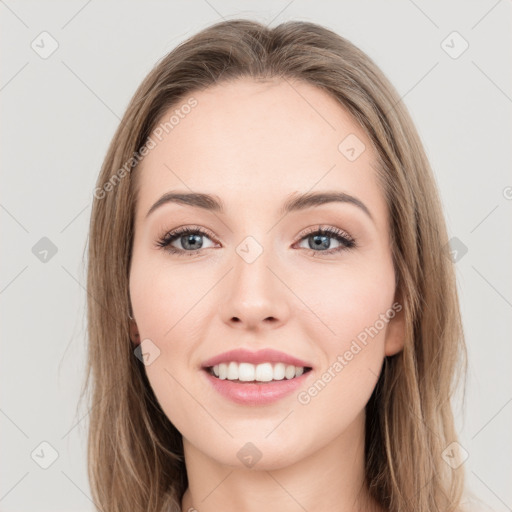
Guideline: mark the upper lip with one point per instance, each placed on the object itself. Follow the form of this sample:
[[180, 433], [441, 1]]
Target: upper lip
[[267, 355]]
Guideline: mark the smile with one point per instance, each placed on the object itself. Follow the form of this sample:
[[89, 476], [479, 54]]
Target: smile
[[263, 372]]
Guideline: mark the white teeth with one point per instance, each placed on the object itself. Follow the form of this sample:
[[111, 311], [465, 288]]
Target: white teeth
[[232, 371], [222, 369], [246, 371], [264, 372], [289, 373], [279, 370]]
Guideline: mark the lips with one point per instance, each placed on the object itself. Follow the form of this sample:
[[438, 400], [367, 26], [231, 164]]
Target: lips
[[261, 356]]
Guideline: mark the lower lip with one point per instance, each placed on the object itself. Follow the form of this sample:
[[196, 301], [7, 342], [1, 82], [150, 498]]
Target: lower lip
[[252, 393]]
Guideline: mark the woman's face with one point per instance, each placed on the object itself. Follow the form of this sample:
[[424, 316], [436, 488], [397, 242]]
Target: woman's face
[[258, 276]]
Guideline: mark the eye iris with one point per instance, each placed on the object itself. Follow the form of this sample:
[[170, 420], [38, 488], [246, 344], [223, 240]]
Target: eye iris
[[320, 241], [192, 239]]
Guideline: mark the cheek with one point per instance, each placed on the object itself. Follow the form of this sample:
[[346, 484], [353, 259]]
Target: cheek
[[165, 305], [342, 302], [349, 309], [164, 296], [352, 313], [172, 305]]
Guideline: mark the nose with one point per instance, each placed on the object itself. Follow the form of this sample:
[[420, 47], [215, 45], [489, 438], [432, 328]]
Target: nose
[[255, 297]]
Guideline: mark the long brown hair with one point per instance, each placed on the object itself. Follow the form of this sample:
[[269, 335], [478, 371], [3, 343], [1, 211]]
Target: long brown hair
[[135, 454]]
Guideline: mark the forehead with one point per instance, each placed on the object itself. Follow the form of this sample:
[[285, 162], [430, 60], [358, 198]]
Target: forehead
[[256, 142]]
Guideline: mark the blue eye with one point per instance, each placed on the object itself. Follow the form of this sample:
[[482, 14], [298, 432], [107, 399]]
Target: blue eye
[[191, 240], [319, 239], [189, 237]]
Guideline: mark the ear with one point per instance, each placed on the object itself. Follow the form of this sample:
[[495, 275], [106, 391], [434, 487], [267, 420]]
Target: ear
[[395, 332], [134, 332]]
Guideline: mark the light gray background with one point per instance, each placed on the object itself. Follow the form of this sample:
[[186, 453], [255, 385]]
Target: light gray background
[[59, 114]]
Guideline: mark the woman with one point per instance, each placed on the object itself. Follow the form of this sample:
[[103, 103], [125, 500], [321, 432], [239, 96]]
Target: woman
[[273, 315]]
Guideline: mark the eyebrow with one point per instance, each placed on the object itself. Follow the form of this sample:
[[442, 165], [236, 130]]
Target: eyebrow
[[295, 203]]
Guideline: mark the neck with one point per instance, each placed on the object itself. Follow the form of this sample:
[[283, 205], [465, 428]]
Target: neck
[[331, 478]]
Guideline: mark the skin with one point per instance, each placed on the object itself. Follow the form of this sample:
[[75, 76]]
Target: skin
[[254, 145]]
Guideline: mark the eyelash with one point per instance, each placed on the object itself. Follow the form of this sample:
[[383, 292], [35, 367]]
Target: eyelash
[[346, 241]]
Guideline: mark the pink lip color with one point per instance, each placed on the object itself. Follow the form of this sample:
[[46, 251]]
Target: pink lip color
[[267, 355], [255, 393]]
